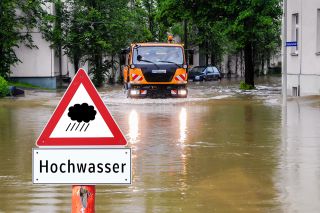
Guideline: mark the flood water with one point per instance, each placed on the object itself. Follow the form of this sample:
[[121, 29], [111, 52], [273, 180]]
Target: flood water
[[219, 150]]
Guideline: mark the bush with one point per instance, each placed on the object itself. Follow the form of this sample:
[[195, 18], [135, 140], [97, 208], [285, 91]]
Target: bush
[[244, 86], [4, 88]]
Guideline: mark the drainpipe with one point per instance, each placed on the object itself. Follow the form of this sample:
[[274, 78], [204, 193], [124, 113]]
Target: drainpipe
[[300, 48], [284, 54]]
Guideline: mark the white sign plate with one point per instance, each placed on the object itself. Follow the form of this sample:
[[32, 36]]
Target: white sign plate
[[81, 166]]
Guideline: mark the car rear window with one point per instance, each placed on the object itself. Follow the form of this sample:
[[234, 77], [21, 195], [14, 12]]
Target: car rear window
[[197, 69]]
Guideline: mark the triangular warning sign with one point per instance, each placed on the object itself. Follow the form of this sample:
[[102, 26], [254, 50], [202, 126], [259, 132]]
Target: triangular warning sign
[[81, 118]]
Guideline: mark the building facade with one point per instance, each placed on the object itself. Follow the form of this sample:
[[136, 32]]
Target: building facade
[[303, 60], [41, 66]]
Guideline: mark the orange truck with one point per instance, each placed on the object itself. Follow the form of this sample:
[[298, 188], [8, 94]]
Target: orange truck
[[155, 70]]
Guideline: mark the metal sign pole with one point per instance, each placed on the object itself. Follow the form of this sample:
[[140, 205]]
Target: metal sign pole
[[67, 128], [83, 199]]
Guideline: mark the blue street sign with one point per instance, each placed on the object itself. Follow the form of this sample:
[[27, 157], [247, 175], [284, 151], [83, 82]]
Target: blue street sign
[[291, 44]]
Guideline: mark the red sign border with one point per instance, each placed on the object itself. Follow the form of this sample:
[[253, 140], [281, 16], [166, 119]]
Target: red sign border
[[81, 78]]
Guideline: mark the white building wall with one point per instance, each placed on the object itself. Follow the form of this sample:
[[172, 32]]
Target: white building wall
[[38, 65], [303, 67], [35, 62], [196, 56]]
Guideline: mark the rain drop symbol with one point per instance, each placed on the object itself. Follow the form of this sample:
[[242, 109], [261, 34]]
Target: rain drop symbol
[[81, 115]]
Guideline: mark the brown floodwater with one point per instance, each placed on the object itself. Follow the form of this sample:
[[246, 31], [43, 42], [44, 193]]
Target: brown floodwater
[[219, 150]]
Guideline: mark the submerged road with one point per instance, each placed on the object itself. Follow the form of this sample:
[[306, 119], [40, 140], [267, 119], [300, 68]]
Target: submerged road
[[221, 149]]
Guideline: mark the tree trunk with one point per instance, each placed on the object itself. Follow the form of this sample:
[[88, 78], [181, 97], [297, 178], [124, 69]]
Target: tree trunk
[[113, 75], [229, 67], [241, 63], [213, 56], [262, 64], [236, 72], [76, 61], [60, 64], [249, 69], [150, 18], [207, 55], [98, 72]]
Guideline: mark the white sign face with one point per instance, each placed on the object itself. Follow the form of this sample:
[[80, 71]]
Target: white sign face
[[81, 166], [67, 128]]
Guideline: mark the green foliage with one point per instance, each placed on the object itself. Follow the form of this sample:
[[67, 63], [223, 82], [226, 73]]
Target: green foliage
[[87, 31], [220, 27], [244, 86], [17, 18], [255, 26], [204, 27], [26, 85], [4, 88], [144, 25]]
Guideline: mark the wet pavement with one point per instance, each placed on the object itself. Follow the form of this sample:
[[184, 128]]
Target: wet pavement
[[219, 150]]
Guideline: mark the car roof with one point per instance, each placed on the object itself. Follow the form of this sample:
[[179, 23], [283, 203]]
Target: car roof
[[204, 66]]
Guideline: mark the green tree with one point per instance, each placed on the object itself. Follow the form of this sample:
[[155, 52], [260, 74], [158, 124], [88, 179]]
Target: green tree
[[138, 31], [202, 25], [249, 23], [88, 31], [17, 18], [228, 26], [147, 11]]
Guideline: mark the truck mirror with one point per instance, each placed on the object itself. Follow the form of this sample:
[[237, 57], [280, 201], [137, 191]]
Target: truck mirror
[[139, 57]]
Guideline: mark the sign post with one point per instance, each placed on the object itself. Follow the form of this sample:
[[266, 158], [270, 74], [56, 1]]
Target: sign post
[[81, 145], [83, 199]]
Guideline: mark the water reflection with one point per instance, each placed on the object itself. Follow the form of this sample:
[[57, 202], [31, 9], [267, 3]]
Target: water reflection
[[299, 170], [197, 156], [133, 126], [183, 125], [249, 124]]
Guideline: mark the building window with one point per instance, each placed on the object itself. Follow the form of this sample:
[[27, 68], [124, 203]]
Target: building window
[[318, 32], [295, 32]]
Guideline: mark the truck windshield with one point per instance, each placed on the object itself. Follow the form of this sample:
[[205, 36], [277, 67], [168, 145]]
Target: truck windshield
[[158, 55]]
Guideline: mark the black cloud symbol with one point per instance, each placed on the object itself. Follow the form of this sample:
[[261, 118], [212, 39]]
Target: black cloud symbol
[[83, 112]]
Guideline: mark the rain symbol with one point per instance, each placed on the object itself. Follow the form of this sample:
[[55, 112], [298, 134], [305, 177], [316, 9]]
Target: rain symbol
[[81, 115]]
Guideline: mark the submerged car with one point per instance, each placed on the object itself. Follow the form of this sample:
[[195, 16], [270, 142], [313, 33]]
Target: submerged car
[[204, 73]]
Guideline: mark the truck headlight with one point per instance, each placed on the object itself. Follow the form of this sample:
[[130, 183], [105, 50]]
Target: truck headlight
[[182, 92], [134, 92]]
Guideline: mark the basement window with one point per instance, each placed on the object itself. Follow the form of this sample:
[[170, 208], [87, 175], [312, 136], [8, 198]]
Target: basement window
[[295, 91]]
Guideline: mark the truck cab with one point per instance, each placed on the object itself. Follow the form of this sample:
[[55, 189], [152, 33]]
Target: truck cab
[[155, 70]]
